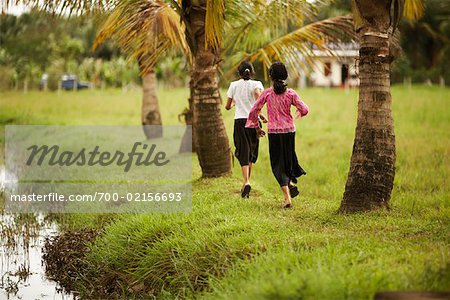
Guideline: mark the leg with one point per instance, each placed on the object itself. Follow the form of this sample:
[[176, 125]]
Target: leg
[[242, 152], [249, 171], [293, 189], [246, 188], [278, 161], [287, 196], [246, 174]]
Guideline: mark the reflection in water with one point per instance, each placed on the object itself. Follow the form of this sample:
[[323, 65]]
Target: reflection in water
[[22, 272]]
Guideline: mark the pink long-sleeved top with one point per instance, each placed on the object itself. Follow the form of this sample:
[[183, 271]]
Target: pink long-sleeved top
[[278, 110]]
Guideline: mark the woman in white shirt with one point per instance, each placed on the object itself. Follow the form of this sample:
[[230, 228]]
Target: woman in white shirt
[[243, 93]]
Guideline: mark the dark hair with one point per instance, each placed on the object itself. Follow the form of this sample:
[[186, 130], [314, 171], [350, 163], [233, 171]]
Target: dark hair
[[246, 70], [278, 74]]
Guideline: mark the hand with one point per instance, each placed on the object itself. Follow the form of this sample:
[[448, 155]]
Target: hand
[[263, 118], [229, 104], [260, 133]]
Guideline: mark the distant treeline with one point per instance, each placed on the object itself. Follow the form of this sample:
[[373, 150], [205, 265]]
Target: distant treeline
[[38, 43]]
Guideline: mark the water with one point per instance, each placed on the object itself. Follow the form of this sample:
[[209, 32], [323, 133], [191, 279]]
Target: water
[[22, 271]]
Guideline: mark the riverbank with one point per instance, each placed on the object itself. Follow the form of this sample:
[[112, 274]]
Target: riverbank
[[22, 239]]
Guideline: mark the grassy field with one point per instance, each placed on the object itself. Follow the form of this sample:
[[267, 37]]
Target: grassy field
[[251, 249]]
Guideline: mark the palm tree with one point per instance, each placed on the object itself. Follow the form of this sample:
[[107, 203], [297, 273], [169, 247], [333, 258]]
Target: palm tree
[[372, 166], [128, 25], [150, 113], [148, 28]]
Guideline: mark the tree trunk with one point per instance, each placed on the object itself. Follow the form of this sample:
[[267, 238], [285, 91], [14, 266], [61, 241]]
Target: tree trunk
[[211, 140], [372, 167], [151, 114], [187, 143], [25, 85]]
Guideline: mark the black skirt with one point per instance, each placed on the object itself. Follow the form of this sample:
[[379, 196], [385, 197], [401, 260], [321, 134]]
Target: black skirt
[[283, 160], [246, 142]]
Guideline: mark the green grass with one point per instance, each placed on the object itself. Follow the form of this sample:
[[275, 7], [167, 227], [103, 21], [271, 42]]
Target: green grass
[[251, 249]]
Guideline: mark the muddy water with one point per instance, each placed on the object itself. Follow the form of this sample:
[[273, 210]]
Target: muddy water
[[22, 272]]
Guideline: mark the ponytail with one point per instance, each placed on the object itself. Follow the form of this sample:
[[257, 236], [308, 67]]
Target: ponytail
[[246, 74], [279, 86]]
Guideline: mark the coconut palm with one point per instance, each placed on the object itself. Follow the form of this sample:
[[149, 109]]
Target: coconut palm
[[150, 113], [140, 28], [258, 29], [372, 166]]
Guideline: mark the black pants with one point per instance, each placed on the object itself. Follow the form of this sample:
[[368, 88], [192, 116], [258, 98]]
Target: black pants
[[246, 142], [283, 159]]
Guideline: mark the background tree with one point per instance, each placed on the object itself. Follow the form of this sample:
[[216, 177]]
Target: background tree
[[429, 36], [372, 166], [26, 41], [144, 30], [37, 42], [150, 113], [426, 44]]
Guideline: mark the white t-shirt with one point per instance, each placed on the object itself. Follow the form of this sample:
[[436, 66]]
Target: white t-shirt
[[243, 94]]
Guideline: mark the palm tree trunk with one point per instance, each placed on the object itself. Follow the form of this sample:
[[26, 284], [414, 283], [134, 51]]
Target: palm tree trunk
[[187, 143], [151, 114], [372, 167], [210, 136]]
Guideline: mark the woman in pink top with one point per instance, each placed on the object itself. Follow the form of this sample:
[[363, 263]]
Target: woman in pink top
[[281, 129]]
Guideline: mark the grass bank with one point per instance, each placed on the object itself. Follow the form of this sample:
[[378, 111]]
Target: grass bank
[[231, 248]]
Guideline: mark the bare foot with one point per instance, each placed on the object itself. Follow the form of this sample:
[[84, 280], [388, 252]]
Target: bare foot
[[287, 205]]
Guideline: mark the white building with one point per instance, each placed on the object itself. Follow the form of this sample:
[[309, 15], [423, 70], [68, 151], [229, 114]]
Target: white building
[[338, 70]]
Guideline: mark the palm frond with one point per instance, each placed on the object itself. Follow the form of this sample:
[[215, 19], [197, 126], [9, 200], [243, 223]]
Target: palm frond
[[247, 20], [410, 9], [296, 48], [413, 9], [144, 30], [398, 12], [67, 7], [214, 23], [358, 20]]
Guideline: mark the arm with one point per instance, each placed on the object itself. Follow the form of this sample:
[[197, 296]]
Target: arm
[[256, 94], [230, 95], [263, 118], [252, 120], [229, 103], [302, 108]]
